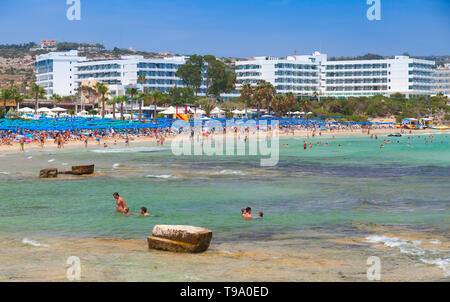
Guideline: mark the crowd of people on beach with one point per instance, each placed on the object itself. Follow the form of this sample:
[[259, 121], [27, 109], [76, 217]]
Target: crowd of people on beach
[[60, 138]]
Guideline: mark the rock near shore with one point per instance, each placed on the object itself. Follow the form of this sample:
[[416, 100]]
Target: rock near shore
[[180, 239], [48, 173]]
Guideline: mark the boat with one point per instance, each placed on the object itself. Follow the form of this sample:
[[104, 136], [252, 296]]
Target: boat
[[440, 127]]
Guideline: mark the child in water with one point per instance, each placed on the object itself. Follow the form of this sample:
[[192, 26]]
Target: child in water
[[247, 214]]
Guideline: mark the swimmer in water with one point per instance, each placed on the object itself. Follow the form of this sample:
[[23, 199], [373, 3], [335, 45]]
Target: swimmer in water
[[144, 212], [120, 204], [247, 214]]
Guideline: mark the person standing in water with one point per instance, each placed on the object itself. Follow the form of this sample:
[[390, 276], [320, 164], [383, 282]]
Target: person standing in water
[[121, 206], [22, 142]]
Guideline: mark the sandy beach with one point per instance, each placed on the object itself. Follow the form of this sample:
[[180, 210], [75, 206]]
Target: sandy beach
[[50, 145]]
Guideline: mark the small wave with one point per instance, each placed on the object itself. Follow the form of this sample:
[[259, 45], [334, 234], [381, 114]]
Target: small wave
[[405, 246], [159, 176], [443, 264], [30, 157], [64, 164], [4, 173], [230, 172], [33, 243], [51, 160], [191, 277], [435, 241], [129, 150], [226, 252], [116, 166], [413, 248]]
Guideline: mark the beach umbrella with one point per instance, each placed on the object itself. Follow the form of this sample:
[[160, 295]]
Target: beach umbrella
[[217, 110], [26, 109], [58, 109], [43, 109], [170, 111]]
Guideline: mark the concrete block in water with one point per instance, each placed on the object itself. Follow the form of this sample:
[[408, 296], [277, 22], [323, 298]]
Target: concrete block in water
[[48, 173], [180, 238]]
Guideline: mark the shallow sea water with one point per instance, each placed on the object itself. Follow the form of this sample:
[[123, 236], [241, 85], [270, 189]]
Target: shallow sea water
[[326, 211]]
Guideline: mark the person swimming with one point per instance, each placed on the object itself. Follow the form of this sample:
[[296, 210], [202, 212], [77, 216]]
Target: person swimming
[[247, 214], [120, 203], [144, 212]]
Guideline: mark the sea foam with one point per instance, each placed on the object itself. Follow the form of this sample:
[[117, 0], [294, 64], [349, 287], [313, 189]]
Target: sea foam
[[413, 248], [129, 150], [230, 172], [159, 176], [33, 243]]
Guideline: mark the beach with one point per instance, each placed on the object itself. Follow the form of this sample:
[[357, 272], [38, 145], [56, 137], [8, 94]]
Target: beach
[[51, 145], [327, 209]]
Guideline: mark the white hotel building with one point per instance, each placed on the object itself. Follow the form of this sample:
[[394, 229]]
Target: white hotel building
[[120, 73], [62, 73], [442, 84], [408, 76], [304, 75], [55, 72], [297, 74]]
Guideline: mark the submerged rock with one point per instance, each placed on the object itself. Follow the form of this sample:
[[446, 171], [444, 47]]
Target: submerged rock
[[48, 173], [179, 238], [83, 170]]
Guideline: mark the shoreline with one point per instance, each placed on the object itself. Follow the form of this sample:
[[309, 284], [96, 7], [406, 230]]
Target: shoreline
[[78, 144], [327, 258]]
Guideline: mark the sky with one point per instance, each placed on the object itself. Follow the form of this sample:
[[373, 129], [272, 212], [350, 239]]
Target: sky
[[236, 28]]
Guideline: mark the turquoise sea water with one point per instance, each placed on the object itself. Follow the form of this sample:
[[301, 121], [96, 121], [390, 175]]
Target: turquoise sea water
[[325, 189]]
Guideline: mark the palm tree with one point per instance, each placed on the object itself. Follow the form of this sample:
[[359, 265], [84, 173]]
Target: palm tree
[[291, 99], [140, 97], [247, 92], [132, 92], [278, 104], [102, 90], [141, 79], [115, 100], [305, 105], [6, 95], [264, 92], [86, 89], [207, 104], [122, 99], [316, 95], [155, 98], [38, 92], [269, 93]]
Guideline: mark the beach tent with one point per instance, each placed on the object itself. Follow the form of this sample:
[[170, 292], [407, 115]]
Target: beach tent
[[58, 109], [238, 111], [43, 109], [217, 110], [169, 111], [26, 110]]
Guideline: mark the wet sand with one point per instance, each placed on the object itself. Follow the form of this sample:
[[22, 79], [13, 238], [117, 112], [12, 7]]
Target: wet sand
[[311, 256]]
